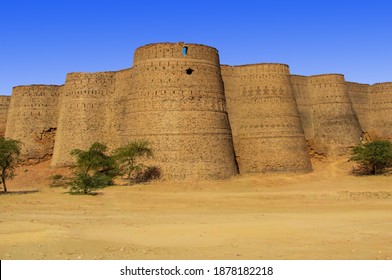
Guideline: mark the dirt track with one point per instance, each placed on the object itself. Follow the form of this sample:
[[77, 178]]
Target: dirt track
[[326, 214]]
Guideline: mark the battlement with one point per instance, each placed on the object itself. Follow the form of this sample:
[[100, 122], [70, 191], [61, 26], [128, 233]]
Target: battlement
[[385, 88]]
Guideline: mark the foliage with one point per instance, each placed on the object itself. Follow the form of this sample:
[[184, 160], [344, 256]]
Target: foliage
[[127, 157], [94, 169], [374, 157], [84, 183], [9, 157]]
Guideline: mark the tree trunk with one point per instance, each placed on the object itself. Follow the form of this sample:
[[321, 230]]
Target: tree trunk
[[4, 185], [374, 169]]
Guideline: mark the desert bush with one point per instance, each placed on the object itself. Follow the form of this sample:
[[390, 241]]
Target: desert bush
[[374, 157], [94, 169]]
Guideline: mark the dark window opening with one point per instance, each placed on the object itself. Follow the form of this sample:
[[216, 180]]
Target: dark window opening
[[189, 71], [184, 51]]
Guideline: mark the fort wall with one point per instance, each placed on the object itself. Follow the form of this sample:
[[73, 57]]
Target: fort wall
[[267, 131], [335, 127], [381, 110], [176, 101], [204, 120], [32, 119], [360, 100], [4, 106], [82, 115]]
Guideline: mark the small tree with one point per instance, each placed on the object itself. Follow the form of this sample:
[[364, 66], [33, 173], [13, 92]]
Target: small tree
[[374, 157], [9, 156], [127, 157], [94, 169]]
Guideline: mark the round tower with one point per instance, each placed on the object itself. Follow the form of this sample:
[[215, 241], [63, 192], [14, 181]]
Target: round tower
[[175, 100], [336, 126], [267, 131], [83, 115], [32, 119]]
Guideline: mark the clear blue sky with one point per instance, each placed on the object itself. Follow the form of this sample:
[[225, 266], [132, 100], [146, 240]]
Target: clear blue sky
[[41, 41]]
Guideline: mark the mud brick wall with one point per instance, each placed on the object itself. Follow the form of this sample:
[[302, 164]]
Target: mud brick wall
[[267, 131]]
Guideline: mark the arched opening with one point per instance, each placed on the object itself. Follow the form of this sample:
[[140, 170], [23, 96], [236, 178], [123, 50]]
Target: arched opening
[[184, 51]]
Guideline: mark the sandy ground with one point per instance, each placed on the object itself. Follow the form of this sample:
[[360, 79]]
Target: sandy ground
[[326, 214]]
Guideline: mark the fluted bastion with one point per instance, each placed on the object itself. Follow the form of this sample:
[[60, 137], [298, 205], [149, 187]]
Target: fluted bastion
[[267, 131], [32, 119], [176, 101]]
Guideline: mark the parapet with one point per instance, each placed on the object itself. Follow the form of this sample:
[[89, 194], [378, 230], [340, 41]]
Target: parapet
[[179, 51]]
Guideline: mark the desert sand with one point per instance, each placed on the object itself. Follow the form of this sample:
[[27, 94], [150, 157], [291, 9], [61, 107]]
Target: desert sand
[[326, 214]]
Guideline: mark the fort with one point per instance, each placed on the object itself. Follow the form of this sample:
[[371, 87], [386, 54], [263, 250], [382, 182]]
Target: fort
[[204, 120]]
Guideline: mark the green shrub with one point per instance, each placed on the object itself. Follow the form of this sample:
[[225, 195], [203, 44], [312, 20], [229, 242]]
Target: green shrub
[[373, 157], [94, 169]]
